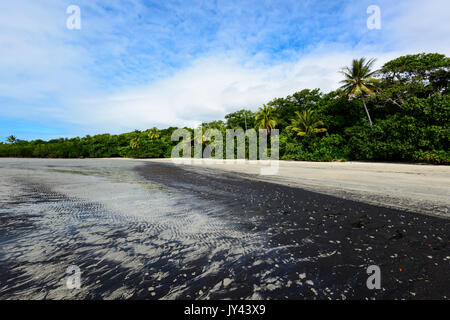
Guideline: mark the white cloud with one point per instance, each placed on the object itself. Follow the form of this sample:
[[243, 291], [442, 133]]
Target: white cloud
[[37, 58], [40, 60], [215, 85], [421, 26]]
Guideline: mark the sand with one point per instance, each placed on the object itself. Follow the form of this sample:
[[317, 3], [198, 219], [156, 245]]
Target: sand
[[411, 187], [153, 230]]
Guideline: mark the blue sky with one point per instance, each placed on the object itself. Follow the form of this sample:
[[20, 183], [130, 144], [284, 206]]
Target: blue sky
[[137, 64]]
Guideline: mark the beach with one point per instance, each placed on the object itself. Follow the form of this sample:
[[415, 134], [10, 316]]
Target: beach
[[150, 229], [408, 187]]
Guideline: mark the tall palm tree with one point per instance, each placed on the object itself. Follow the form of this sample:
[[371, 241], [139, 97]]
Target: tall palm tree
[[134, 143], [135, 139], [153, 133], [11, 139], [266, 118], [359, 81], [306, 122]]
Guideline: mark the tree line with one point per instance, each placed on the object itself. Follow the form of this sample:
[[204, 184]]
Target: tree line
[[400, 112]]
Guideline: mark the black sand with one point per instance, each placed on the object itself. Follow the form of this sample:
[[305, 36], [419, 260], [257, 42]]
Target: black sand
[[224, 236], [343, 237]]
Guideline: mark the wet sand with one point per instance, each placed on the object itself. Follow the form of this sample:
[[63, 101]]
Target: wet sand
[[148, 230], [410, 187]]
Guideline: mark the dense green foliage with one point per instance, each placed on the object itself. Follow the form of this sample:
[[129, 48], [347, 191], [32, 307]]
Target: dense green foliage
[[409, 107]]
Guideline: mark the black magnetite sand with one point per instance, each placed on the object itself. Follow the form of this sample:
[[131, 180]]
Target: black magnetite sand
[[160, 231], [342, 237]]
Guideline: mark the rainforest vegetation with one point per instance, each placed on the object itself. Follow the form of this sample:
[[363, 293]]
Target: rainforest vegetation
[[400, 112]]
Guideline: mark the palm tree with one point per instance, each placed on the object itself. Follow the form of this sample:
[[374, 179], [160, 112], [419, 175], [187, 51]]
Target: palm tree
[[11, 139], [135, 139], [306, 122], [198, 136], [359, 81], [266, 118], [134, 143], [153, 133]]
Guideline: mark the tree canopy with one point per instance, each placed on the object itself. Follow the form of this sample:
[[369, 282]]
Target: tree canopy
[[410, 113]]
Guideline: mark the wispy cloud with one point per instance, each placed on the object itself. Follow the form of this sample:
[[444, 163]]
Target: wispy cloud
[[137, 64]]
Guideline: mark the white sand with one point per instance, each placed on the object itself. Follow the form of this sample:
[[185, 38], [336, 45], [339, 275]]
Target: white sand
[[411, 187]]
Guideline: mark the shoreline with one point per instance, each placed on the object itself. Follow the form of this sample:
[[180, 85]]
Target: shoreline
[[149, 230], [343, 236], [245, 160], [411, 187], [407, 187]]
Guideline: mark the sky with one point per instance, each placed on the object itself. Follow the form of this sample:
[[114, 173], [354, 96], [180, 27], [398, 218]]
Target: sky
[[136, 64]]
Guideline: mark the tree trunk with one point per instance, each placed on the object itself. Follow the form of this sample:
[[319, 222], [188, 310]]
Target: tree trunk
[[367, 112]]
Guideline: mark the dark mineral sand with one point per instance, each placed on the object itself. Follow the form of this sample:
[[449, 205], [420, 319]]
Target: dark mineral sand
[[324, 238], [227, 237]]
